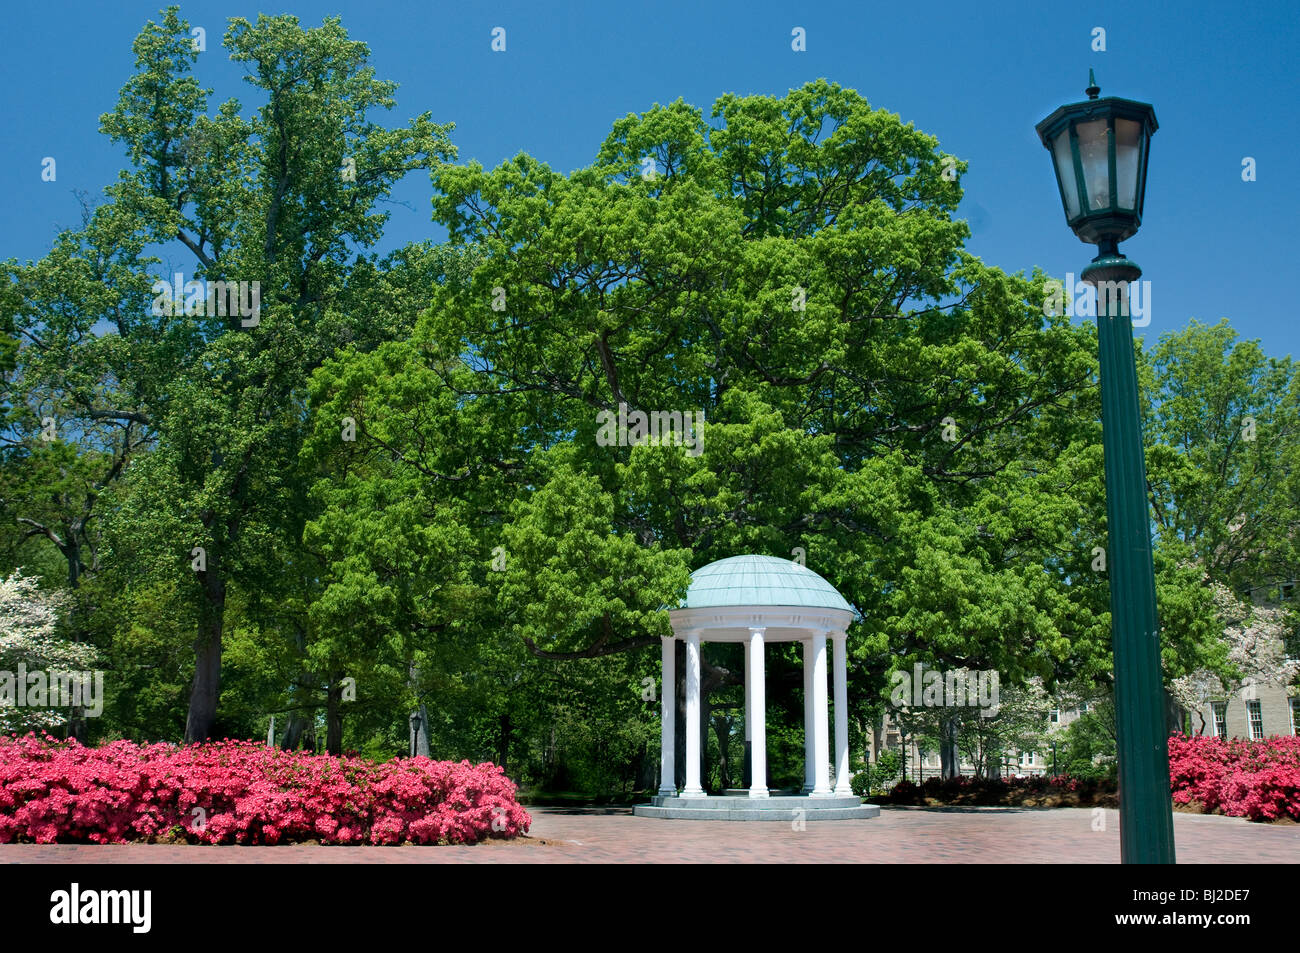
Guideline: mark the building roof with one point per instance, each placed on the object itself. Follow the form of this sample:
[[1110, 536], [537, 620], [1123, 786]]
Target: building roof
[[760, 581]]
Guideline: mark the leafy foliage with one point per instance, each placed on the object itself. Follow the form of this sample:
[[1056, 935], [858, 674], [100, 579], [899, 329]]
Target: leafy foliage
[[386, 496]]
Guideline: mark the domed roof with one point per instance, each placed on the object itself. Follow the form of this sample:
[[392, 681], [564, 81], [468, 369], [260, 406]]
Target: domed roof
[[760, 581]]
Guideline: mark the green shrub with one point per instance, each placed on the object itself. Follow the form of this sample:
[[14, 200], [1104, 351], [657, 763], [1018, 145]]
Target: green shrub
[[878, 777]]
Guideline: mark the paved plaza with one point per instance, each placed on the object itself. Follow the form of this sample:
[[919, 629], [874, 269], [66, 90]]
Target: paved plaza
[[899, 835]]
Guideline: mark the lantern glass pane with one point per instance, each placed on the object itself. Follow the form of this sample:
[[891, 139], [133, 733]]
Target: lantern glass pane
[[1065, 172], [1094, 155], [1128, 143]]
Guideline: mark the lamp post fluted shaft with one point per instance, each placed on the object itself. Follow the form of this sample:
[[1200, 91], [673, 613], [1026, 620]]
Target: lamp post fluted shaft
[[1099, 152], [1145, 812]]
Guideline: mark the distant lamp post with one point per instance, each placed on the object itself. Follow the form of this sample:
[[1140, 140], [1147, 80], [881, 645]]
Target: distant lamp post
[[1099, 149], [415, 733]]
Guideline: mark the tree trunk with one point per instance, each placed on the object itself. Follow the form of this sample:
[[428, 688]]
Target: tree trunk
[[647, 770], [298, 722], [334, 715], [549, 761], [503, 740], [1173, 714], [207, 656], [293, 732], [76, 727], [706, 715], [949, 762], [722, 728]]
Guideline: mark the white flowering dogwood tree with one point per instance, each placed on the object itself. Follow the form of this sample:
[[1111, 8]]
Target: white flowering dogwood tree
[[1254, 652], [28, 626]]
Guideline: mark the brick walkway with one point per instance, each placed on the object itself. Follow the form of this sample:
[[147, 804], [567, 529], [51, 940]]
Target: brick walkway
[[899, 835]]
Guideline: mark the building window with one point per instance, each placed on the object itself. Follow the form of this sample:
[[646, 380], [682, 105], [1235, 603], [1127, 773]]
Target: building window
[[1220, 710], [1255, 715], [1083, 708], [1295, 716], [891, 740], [1056, 716], [1288, 590]]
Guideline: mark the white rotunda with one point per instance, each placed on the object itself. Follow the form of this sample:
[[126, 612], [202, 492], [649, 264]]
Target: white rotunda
[[756, 600]]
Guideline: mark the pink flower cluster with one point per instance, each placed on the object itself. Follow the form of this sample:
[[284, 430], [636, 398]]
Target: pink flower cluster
[[1255, 779], [241, 792]]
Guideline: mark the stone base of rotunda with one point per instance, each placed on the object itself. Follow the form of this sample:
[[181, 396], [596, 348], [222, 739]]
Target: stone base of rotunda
[[744, 808]]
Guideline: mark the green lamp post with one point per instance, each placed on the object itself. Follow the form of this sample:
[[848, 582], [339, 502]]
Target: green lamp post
[[1099, 149]]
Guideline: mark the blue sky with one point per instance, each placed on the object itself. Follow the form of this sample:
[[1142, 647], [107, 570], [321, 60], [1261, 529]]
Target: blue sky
[[1221, 77]]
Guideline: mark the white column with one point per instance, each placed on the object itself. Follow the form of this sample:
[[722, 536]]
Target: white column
[[668, 716], [808, 728], [842, 786], [821, 718], [693, 788], [748, 723], [756, 708]]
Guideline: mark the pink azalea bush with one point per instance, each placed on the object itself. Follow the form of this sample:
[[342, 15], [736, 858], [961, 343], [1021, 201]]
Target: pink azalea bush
[[1259, 780], [241, 792]]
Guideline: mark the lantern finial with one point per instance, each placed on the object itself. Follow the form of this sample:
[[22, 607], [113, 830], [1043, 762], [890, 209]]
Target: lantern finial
[[1093, 89]]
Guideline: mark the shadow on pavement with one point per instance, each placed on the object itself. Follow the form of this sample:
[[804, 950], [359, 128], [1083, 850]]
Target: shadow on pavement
[[580, 811]]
